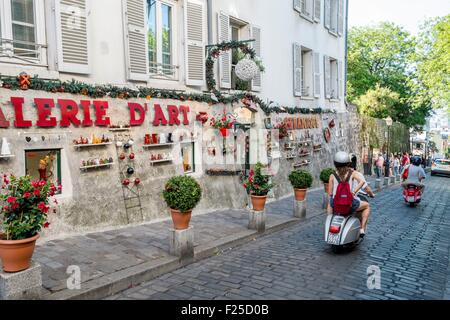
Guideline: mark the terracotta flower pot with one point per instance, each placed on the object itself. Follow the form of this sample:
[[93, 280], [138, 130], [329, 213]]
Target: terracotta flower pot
[[300, 194], [16, 254], [224, 132], [326, 186], [258, 202], [180, 219]]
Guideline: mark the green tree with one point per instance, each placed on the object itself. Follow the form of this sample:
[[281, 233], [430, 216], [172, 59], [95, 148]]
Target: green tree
[[382, 57], [378, 102], [434, 59]]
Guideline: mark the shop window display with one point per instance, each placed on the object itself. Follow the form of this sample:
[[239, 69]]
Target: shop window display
[[44, 165], [187, 153]]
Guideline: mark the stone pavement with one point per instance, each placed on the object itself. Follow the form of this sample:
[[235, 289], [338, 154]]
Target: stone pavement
[[103, 255], [410, 246]]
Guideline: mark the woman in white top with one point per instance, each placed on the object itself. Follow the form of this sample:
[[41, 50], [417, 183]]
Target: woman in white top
[[342, 162]]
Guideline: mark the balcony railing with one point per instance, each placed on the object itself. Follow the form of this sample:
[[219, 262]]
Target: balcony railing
[[27, 52], [163, 71]]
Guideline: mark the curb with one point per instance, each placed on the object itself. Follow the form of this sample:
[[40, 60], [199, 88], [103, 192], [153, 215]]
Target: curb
[[124, 279]]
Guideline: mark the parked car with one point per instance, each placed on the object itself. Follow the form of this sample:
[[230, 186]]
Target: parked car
[[440, 166]]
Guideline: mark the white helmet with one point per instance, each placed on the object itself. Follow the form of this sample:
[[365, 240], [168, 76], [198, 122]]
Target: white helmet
[[341, 159]]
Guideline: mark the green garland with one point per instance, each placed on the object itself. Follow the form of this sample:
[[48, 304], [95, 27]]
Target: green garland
[[100, 91]]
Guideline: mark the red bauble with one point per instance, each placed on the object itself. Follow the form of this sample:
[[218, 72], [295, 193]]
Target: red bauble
[[131, 156], [122, 156], [126, 182], [137, 181]]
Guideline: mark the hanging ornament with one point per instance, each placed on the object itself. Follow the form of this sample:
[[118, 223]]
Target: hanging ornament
[[24, 80], [137, 181], [331, 124], [126, 182], [130, 170], [246, 69], [327, 135]]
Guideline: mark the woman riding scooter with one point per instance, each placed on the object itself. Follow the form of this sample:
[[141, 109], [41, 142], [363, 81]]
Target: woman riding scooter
[[344, 172], [415, 173]]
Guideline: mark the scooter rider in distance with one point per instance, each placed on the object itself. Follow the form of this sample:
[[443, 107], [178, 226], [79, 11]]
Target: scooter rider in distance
[[415, 173], [343, 200]]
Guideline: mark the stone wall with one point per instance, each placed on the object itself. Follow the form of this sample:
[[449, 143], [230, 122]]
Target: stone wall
[[92, 200]]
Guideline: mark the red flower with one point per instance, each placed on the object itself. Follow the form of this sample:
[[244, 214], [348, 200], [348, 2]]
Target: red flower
[[60, 187], [35, 184], [46, 225], [41, 206], [42, 183], [245, 186], [11, 199], [56, 201], [37, 192], [26, 195], [6, 181], [5, 208], [15, 206]]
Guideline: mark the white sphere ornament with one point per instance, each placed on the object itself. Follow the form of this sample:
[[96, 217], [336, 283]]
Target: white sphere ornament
[[246, 69]]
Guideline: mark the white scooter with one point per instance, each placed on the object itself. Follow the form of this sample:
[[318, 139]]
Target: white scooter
[[343, 231]]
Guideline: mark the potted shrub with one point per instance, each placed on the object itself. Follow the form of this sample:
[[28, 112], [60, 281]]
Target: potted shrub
[[25, 205], [182, 193], [258, 186], [325, 177], [223, 124], [301, 180]]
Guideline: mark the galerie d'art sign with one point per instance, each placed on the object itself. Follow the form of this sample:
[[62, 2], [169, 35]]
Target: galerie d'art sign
[[302, 123], [80, 114]]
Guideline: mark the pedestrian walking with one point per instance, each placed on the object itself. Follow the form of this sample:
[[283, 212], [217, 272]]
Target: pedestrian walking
[[396, 165], [379, 165]]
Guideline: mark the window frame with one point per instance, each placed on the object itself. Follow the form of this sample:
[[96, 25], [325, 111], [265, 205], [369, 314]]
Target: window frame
[[303, 11], [243, 29], [159, 73], [307, 51], [6, 33], [334, 78], [58, 163]]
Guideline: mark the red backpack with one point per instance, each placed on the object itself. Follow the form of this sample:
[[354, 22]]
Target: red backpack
[[343, 198], [405, 173]]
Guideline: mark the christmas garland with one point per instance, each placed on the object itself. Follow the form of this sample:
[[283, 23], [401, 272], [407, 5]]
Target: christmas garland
[[100, 91]]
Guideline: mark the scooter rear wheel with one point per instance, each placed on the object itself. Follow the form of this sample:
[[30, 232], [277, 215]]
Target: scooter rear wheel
[[337, 249], [412, 204]]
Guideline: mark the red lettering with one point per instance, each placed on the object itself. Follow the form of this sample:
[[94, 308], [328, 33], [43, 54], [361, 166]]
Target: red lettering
[[69, 111], [159, 116], [3, 122], [100, 113], [133, 108], [185, 110], [173, 115], [87, 121], [44, 109], [18, 111]]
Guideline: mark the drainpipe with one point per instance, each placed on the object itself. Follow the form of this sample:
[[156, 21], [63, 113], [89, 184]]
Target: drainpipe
[[210, 21], [346, 50]]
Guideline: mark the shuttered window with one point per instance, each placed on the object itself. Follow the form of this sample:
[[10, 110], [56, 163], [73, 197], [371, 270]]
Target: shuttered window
[[136, 50], [327, 14], [316, 74], [334, 13], [297, 65], [223, 30], [195, 42], [340, 18], [305, 8], [317, 10], [256, 35], [340, 84], [73, 35], [327, 77]]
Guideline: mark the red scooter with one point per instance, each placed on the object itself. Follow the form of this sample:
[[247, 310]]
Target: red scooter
[[412, 194]]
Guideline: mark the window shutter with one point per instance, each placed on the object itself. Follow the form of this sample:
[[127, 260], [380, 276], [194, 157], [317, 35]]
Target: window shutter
[[223, 29], [340, 17], [297, 65], [136, 50], [327, 14], [194, 15], [316, 56], [317, 10], [256, 35], [72, 35], [298, 5], [327, 77], [339, 81]]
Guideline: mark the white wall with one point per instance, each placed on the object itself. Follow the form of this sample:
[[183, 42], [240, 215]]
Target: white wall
[[280, 25]]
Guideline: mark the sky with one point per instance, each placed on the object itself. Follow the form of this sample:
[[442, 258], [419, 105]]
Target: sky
[[407, 13]]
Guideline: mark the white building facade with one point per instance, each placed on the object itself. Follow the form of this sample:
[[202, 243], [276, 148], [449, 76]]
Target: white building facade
[[161, 44]]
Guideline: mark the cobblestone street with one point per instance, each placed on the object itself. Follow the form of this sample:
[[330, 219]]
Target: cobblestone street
[[409, 245]]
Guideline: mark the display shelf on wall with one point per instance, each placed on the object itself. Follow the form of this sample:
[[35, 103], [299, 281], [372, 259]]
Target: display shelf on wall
[[220, 172], [7, 156], [304, 164], [317, 150], [305, 141], [119, 129], [304, 154], [160, 161], [96, 166], [158, 145], [92, 144]]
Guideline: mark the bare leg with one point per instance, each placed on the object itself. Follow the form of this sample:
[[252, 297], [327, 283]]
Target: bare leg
[[365, 213]]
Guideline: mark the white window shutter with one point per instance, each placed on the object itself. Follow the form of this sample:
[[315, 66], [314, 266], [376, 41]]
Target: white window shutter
[[317, 10], [136, 46], [194, 18], [327, 77], [223, 29], [72, 36], [297, 66], [256, 35], [316, 57], [327, 14], [340, 17], [298, 5], [340, 72]]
